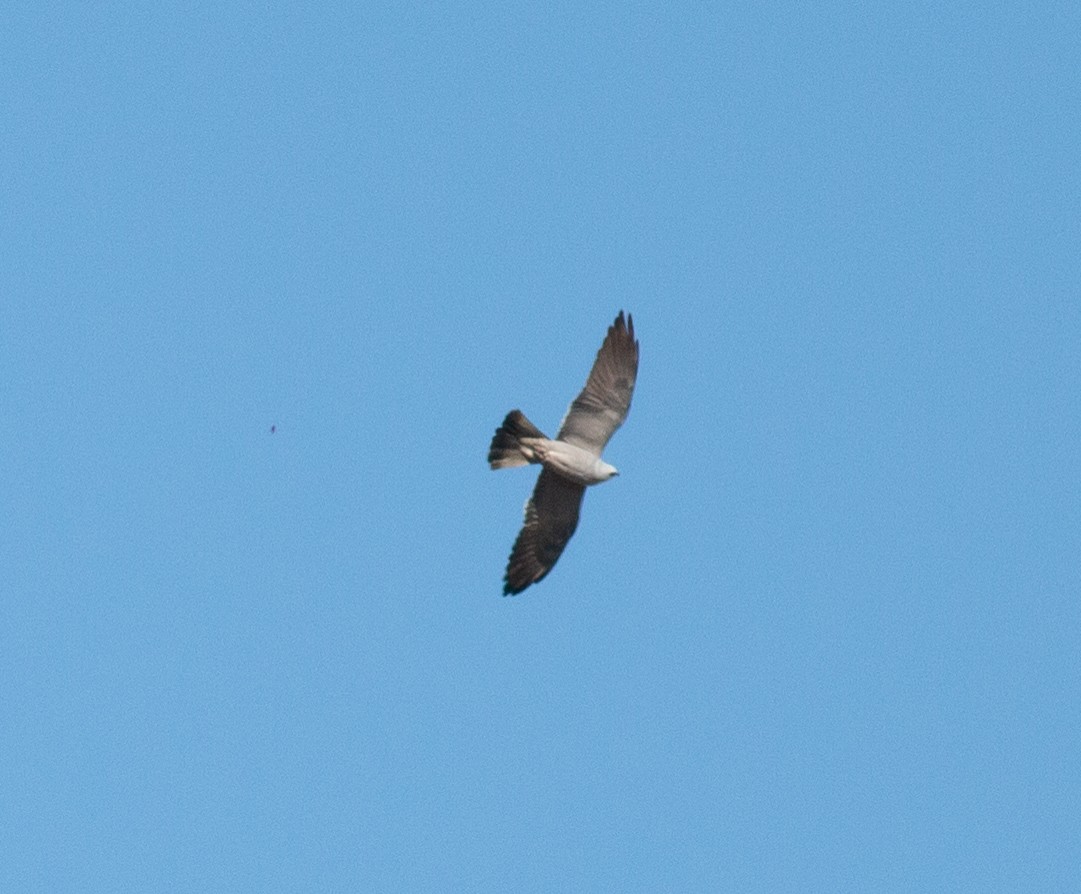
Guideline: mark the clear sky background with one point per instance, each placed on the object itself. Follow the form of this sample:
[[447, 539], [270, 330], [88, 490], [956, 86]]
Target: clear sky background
[[822, 634]]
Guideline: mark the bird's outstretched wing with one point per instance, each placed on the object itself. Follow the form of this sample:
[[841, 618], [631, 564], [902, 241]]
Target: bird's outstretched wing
[[603, 404], [551, 515]]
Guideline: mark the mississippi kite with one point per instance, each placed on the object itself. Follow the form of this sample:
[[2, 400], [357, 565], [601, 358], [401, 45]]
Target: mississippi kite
[[571, 462]]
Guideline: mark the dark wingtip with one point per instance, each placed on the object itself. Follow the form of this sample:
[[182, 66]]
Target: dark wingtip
[[624, 326], [523, 580]]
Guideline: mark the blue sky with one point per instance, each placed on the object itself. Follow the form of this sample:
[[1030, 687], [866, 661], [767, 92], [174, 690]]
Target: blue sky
[[822, 633]]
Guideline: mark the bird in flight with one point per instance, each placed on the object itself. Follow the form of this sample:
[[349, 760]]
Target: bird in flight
[[571, 462]]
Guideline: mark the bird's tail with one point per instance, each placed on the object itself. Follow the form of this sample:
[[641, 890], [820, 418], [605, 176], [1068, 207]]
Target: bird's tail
[[507, 451]]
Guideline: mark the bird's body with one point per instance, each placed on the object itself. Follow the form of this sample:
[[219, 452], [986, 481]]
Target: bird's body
[[566, 460], [572, 461]]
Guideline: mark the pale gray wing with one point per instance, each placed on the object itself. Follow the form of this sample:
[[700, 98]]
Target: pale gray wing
[[603, 404], [551, 515]]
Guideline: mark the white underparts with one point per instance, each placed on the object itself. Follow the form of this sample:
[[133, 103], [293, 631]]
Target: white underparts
[[567, 460]]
